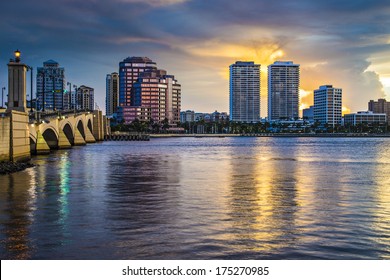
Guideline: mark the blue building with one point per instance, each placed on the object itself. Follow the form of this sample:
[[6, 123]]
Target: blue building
[[51, 87]]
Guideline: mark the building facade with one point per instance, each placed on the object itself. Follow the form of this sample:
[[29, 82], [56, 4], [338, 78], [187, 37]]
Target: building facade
[[159, 92], [308, 114], [50, 86], [380, 106], [129, 71], [187, 116], [244, 92], [85, 99], [112, 93], [328, 105], [283, 90], [365, 117]]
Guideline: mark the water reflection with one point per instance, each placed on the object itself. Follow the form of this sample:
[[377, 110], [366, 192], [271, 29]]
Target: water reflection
[[234, 198], [15, 216], [142, 203], [262, 205]]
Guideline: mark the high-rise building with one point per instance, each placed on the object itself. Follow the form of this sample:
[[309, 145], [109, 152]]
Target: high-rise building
[[112, 93], [159, 92], [283, 90], [50, 86], [244, 92], [85, 99], [146, 92], [129, 71], [380, 106], [328, 105]]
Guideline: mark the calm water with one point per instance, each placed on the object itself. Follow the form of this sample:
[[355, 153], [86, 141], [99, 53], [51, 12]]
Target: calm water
[[191, 198]]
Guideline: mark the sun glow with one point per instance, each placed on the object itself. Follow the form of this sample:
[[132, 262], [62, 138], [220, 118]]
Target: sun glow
[[346, 110]]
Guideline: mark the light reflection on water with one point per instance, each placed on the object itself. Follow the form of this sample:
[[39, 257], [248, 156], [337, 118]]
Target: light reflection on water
[[190, 198]]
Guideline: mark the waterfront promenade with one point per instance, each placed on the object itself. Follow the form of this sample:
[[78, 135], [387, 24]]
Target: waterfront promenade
[[326, 135]]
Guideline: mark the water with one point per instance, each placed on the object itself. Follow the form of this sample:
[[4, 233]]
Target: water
[[202, 198]]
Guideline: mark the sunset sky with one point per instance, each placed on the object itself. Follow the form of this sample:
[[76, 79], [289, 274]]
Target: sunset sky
[[343, 43]]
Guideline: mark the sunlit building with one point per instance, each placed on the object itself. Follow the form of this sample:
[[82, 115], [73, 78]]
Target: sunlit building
[[244, 92], [112, 93], [328, 105], [283, 90], [51, 86], [129, 71], [159, 92], [380, 106]]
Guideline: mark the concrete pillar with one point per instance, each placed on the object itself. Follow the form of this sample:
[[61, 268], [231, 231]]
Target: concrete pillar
[[20, 139], [17, 86], [89, 137], [98, 125], [42, 147], [63, 142], [78, 138], [5, 130]]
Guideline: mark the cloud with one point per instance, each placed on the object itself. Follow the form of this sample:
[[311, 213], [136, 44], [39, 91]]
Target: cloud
[[156, 3], [344, 43]]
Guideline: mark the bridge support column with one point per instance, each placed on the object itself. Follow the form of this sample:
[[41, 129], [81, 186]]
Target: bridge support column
[[41, 147], [63, 142], [78, 138], [89, 137]]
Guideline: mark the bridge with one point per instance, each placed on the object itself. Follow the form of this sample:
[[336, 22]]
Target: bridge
[[62, 130], [24, 132]]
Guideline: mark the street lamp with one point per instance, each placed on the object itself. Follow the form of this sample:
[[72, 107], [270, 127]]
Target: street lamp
[[17, 55], [31, 89], [42, 75], [69, 95], [62, 93], [54, 92], [75, 97], [2, 97]]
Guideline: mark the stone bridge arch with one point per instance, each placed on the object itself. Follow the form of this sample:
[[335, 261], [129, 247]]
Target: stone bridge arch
[[51, 137], [60, 132], [84, 124], [66, 127]]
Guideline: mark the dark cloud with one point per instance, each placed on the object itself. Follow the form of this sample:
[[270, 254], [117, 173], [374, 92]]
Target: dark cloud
[[90, 37]]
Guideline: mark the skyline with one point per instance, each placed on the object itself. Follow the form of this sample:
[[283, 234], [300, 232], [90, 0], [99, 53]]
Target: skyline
[[344, 44]]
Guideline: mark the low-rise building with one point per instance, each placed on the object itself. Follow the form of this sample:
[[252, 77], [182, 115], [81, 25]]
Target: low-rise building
[[365, 117], [308, 114], [187, 116]]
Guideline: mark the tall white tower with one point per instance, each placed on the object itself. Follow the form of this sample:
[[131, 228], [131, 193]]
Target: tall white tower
[[244, 91], [283, 90]]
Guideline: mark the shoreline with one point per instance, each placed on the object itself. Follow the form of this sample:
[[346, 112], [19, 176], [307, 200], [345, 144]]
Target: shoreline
[[7, 167], [291, 135]]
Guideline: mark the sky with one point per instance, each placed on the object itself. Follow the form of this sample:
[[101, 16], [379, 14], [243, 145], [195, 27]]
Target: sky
[[342, 43]]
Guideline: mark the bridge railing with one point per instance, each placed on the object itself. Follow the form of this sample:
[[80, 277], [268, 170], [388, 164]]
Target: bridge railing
[[39, 116]]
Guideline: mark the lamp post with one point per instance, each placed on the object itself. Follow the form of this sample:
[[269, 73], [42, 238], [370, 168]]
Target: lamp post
[[54, 92], [2, 97], [69, 95], [75, 97], [31, 89], [43, 91], [62, 93], [17, 55]]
